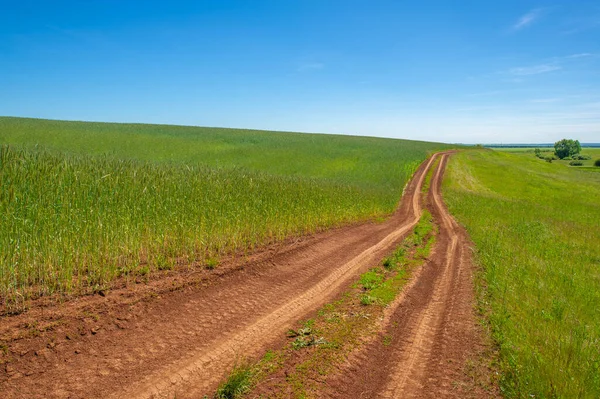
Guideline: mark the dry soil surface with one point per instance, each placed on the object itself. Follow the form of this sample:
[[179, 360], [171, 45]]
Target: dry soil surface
[[431, 328]]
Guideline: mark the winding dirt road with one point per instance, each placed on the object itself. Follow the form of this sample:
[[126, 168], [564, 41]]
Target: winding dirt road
[[182, 343], [432, 327]]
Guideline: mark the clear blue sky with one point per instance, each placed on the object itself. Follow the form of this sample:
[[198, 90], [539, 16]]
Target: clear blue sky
[[452, 71]]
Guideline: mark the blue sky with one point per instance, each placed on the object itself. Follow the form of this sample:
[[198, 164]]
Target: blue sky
[[451, 71]]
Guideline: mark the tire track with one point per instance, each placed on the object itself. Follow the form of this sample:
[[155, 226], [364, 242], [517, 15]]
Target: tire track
[[187, 373], [409, 375], [431, 323]]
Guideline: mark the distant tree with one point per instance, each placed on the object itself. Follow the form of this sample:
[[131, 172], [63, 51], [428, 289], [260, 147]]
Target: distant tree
[[566, 148]]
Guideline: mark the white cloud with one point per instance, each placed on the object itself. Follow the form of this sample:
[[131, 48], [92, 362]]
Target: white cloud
[[527, 19], [534, 70]]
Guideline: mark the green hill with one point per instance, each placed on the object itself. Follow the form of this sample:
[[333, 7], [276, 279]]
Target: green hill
[[84, 203]]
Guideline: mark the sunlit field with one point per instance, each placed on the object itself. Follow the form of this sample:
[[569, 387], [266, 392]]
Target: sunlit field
[[85, 203], [536, 229]]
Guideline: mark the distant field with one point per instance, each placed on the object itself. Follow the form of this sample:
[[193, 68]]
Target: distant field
[[84, 203], [521, 149], [594, 153], [536, 227]]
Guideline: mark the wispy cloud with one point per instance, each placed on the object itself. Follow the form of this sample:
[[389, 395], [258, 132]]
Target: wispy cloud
[[534, 70], [584, 62], [545, 100], [580, 55], [527, 19], [310, 66]]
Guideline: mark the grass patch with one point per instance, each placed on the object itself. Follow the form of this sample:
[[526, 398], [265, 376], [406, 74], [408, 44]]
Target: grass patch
[[236, 384], [371, 279], [535, 226], [429, 176], [85, 203], [244, 376]]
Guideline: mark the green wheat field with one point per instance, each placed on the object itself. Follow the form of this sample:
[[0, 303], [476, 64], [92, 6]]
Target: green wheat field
[[85, 203]]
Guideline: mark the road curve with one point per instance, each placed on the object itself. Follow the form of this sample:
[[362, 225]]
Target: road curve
[[183, 343], [432, 326]]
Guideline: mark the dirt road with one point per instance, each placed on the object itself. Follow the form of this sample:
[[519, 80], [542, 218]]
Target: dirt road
[[432, 327], [182, 343]]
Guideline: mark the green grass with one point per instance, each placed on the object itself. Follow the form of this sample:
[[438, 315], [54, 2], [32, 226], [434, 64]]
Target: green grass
[[374, 163], [594, 153], [523, 149], [85, 203], [237, 383], [536, 229]]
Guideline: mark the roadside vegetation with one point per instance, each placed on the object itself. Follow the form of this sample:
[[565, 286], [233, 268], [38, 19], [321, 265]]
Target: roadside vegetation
[[85, 203], [584, 158], [535, 227], [319, 345]]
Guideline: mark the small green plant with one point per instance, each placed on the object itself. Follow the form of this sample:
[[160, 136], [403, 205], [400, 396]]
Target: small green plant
[[212, 263], [162, 262], [304, 338], [304, 342], [299, 333], [387, 340], [576, 163], [367, 300], [597, 162], [388, 263], [370, 280], [299, 343], [238, 383]]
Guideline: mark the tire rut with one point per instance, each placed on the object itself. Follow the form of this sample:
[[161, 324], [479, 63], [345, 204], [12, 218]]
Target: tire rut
[[432, 325]]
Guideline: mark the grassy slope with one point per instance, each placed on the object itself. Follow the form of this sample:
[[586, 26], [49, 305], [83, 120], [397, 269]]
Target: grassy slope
[[536, 227], [366, 161], [87, 202]]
